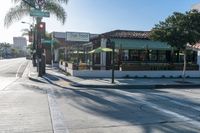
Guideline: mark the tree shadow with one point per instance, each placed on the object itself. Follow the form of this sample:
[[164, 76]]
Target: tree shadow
[[126, 106]]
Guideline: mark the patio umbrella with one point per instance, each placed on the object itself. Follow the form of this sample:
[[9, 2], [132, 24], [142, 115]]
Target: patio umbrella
[[78, 52], [100, 49]]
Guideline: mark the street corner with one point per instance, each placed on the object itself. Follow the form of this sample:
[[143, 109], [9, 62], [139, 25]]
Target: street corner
[[34, 77], [57, 81]]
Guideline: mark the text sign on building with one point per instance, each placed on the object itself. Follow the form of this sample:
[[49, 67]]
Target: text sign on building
[[77, 36]]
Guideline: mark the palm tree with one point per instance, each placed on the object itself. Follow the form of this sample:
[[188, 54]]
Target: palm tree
[[25, 32], [22, 9]]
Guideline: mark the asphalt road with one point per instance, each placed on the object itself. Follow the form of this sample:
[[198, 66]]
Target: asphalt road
[[11, 70], [12, 67], [30, 107], [102, 110], [24, 104]]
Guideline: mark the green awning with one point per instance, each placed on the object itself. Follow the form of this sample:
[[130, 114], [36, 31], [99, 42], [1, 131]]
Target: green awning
[[140, 44]]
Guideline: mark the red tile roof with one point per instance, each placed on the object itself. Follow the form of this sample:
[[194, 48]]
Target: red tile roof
[[126, 34], [196, 46]]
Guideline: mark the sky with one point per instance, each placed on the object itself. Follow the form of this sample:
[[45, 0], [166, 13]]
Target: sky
[[100, 16]]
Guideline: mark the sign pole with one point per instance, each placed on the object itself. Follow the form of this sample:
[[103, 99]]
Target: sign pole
[[37, 12], [52, 50], [39, 50], [113, 61]]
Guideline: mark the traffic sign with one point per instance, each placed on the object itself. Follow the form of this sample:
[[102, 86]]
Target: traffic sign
[[38, 13], [48, 41]]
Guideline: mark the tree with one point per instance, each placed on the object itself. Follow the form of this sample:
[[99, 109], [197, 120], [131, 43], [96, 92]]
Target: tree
[[179, 30], [4, 48], [15, 52], [22, 9], [25, 32]]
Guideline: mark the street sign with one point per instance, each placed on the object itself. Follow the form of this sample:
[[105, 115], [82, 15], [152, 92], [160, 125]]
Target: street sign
[[48, 41], [38, 13]]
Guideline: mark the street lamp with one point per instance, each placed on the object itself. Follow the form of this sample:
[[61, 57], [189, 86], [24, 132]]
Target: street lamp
[[26, 22], [30, 33], [31, 25]]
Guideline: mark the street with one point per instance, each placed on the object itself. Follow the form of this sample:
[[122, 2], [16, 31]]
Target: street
[[22, 108], [128, 111], [28, 106], [11, 70]]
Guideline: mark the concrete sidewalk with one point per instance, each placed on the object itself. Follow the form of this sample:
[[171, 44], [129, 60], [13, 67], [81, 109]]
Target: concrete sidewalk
[[54, 75]]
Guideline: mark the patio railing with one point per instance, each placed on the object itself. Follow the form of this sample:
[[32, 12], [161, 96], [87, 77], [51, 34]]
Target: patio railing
[[132, 66]]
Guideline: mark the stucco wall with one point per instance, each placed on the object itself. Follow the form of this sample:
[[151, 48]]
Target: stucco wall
[[134, 74]]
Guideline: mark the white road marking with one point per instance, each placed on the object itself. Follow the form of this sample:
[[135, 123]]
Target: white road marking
[[197, 108], [27, 70], [19, 69], [171, 113], [180, 103], [5, 82]]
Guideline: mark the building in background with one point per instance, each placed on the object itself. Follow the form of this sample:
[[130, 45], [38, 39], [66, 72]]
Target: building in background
[[20, 46], [20, 43]]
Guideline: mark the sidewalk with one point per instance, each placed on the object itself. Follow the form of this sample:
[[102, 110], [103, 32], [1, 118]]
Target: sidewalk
[[56, 76]]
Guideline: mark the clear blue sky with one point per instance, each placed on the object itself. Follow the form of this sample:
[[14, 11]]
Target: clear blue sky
[[104, 15], [99, 16]]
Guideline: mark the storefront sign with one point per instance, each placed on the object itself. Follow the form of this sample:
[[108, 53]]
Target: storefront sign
[[77, 36]]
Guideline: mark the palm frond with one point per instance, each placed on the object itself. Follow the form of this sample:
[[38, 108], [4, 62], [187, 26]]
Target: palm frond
[[57, 10], [59, 1], [63, 1], [25, 30], [23, 9], [16, 1], [25, 34], [16, 14]]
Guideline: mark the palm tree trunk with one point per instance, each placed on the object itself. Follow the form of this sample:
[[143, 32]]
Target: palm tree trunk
[[184, 66]]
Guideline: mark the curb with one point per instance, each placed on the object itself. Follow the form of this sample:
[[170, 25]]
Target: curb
[[138, 86], [35, 79], [45, 79]]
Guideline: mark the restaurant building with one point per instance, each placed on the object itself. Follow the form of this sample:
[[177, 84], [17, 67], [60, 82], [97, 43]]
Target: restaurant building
[[135, 56]]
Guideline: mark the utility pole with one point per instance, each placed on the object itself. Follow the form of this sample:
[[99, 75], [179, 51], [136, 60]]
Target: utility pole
[[52, 56], [37, 12], [39, 49]]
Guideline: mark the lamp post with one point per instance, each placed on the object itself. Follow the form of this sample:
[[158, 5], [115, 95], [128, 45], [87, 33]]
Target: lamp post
[[30, 32], [37, 12], [52, 48]]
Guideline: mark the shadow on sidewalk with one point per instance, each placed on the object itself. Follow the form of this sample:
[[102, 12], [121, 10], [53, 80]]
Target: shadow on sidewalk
[[120, 105]]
